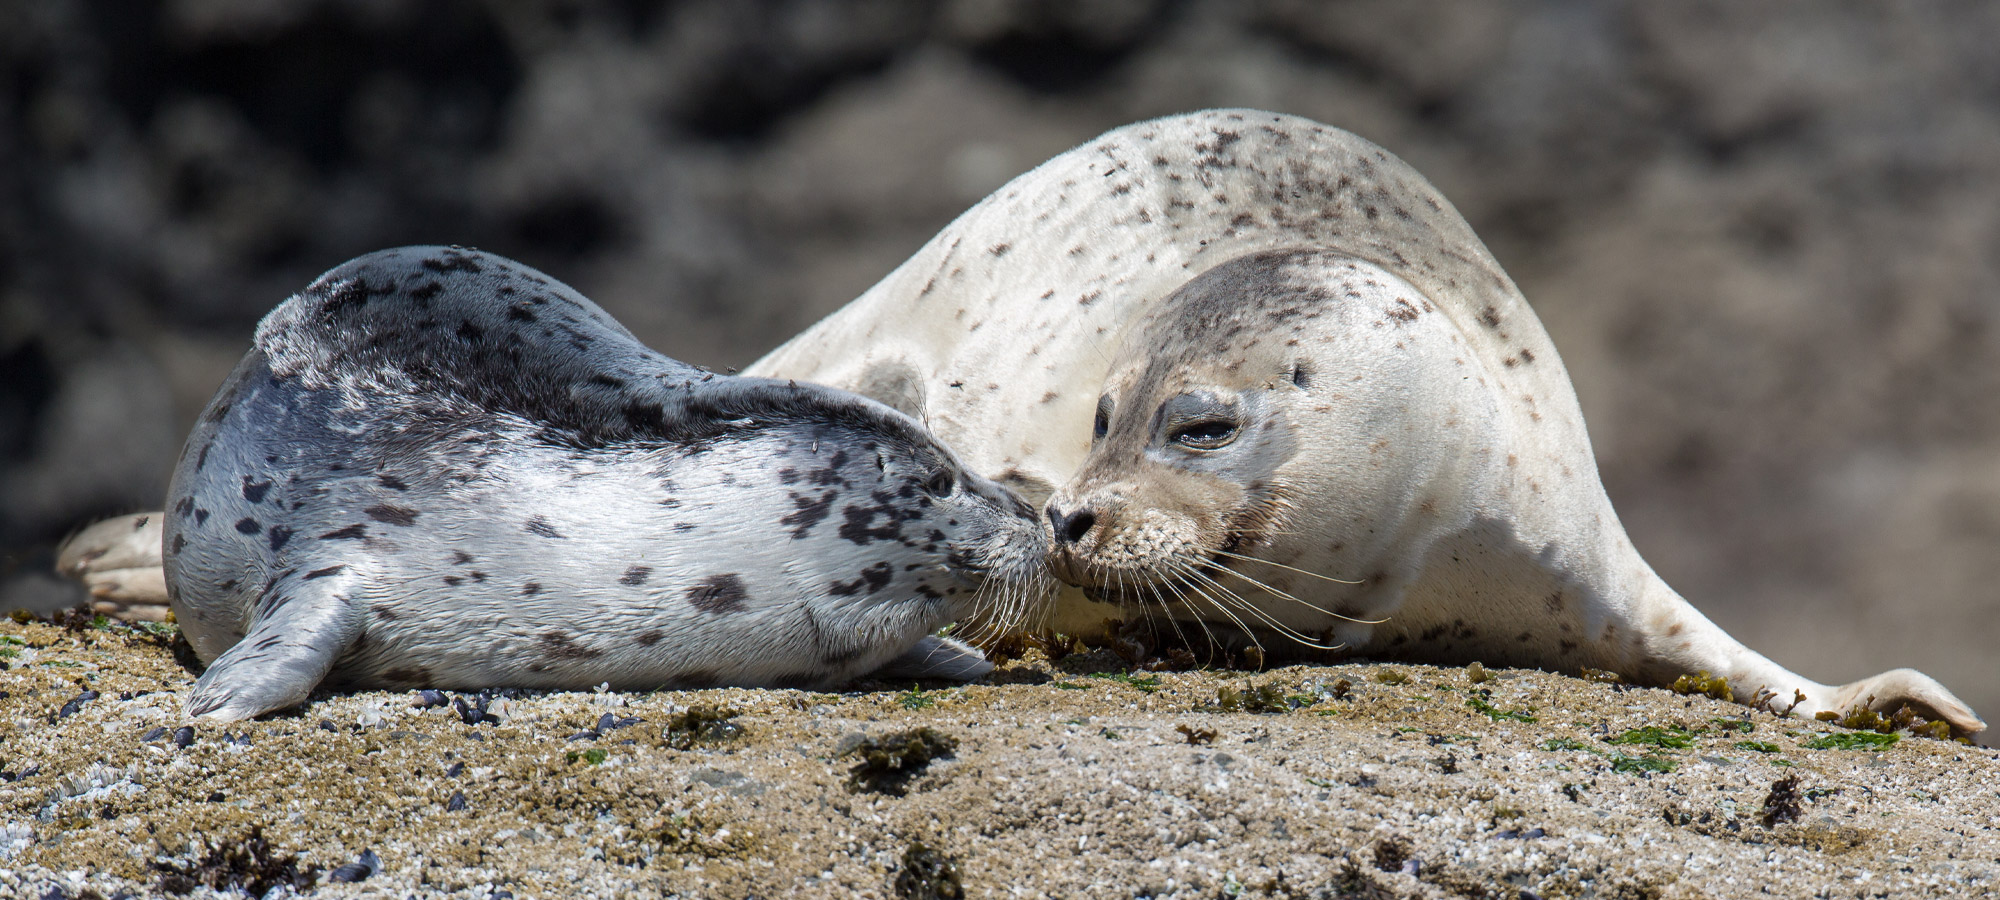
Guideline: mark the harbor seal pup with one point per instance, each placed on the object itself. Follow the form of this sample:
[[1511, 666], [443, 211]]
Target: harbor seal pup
[[440, 468], [1236, 354]]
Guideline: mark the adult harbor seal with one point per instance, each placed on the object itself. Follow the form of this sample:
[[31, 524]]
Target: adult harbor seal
[[1301, 365], [440, 468]]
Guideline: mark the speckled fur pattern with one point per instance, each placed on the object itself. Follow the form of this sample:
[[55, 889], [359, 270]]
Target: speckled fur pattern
[[440, 468], [1433, 453]]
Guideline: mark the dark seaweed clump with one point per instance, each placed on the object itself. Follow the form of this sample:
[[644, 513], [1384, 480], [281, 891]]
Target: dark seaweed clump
[[1393, 853], [928, 875], [888, 763], [249, 865], [1258, 698], [1783, 803], [702, 725]]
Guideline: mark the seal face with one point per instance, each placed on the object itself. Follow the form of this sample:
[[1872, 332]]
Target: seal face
[[440, 468], [1262, 376], [1214, 458]]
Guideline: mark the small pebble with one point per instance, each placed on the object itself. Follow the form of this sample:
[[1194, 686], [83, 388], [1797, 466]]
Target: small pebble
[[75, 704], [456, 803], [361, 869], [453, 770], [153, 734], [428, 699], [184, 736]]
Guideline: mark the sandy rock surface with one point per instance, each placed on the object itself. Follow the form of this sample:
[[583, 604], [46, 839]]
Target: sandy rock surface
[[1077, 778]]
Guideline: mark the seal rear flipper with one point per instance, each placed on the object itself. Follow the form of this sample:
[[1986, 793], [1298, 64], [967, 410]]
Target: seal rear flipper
[[118, 559], [1896, 688], [301, 630], [938, 658]]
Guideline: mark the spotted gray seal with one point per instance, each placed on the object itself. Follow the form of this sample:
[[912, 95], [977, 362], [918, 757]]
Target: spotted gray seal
[[441, 468], [1266, 381]]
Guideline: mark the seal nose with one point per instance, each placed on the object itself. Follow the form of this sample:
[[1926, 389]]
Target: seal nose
[[1071, 528]]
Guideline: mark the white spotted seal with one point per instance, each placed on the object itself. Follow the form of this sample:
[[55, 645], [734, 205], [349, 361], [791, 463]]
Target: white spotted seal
[[1235, 354], [441, 468]]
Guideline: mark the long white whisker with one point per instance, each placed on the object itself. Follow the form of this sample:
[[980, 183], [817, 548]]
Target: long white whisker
[[1288, 596], [1262, 615], [1283, 566], [1219, 606]]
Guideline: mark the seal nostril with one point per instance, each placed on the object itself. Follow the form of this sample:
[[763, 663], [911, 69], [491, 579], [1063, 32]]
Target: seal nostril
[[1070, 529]]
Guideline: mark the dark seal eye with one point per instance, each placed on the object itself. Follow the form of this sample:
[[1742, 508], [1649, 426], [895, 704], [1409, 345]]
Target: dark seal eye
[[1103, 423], [941, 485], [1205, 435]]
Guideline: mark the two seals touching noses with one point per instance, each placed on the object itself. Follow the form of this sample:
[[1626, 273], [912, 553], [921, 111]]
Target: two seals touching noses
[[441, 468]]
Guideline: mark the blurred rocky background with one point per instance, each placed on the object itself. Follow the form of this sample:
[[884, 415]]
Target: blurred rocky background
[[1765, 236]]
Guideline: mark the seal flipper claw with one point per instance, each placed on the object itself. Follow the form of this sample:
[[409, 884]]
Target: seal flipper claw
[[939, 658], [302, 631]]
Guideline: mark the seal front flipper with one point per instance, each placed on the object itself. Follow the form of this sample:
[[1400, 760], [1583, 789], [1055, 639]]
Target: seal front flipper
[[936, 657], [302, 628]]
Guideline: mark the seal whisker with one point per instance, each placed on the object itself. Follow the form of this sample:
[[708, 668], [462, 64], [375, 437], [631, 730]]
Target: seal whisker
[[1312, 606], [1174, 584], [1248, 558], [1220, 606], [1260, 613]]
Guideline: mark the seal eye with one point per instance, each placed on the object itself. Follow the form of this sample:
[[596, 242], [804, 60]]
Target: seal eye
[[1102, 425], [1206, 435], [941, 485]]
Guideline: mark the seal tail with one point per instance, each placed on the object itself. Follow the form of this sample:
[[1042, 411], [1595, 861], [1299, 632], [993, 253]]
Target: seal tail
[[1682, 641]]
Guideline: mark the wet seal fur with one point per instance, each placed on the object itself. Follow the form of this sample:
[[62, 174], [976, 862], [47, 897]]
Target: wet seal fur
[[1245, 353], [440, 468]]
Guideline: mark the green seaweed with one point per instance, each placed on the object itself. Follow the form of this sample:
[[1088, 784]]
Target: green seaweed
[[1674, 738], [1642, 764], [593, 756], [1482, 702], [1144, 683], [1758, 746], [1854, 740], [1713, 686]]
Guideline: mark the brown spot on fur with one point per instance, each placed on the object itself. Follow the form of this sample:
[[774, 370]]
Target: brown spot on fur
[[561, 646], [718, 594], [392, 515]]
